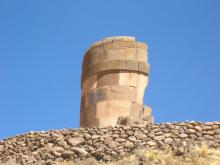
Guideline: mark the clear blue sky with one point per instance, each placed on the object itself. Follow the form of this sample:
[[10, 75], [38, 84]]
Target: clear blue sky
[[42, 44]]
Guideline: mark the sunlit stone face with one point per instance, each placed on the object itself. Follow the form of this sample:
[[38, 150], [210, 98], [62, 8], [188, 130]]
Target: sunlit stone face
[[114, 78]]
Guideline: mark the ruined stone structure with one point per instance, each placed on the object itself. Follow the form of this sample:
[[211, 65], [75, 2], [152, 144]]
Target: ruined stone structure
[[114, 77]]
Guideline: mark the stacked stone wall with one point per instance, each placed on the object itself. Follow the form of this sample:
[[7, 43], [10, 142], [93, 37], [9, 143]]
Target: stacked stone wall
[[107, 144]]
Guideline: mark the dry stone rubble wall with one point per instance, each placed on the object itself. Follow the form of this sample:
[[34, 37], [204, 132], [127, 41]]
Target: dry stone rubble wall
[[110, 143]]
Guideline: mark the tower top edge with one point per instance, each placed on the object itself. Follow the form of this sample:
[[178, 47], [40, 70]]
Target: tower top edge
[[112, 39], [120, 38]]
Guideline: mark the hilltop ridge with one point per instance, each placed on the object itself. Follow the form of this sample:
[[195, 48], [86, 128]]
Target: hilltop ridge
[[105, 144]]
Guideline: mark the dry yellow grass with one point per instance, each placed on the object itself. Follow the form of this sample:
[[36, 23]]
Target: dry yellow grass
[[200, 155]]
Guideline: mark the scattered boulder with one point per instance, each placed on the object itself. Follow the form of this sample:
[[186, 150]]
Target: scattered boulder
[[81, 152], [67, 154], [76, 141], [129, 144]]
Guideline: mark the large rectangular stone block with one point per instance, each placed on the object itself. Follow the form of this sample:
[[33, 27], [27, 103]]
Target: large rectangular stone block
[[89, 84], [118, 44], [142, 81], [130, 54], [98, 94], [83, 119], [139, 95], [112, 93], [91, 117], [119, 65], [84, 113], [115, 54], [92, 70], [103, 57], [143, 67], [82, 103], [121, 93], [112, 108], [121, 54], [141, 55], [128, 79], [131, 65], [136, 109], [110, 65], [108, 121], [108, 46], [130, 44], [141, 45], [94, 59], [113, 65], [107, 79], [91, 57], [85, 62], [97, 51], [86, 100]]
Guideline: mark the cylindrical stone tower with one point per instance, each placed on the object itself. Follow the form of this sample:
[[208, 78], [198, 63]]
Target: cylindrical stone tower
[[114, 77]]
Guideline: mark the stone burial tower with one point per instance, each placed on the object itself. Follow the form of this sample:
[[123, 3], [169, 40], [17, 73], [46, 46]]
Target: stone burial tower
[[114, 77]]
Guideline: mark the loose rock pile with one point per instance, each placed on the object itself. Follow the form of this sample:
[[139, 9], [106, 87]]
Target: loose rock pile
[[105, 144]]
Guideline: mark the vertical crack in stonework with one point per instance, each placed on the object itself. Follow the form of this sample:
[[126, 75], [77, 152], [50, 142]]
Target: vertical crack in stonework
[[114, 77]]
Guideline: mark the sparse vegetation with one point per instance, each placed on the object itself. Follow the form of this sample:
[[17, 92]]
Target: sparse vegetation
[[200, 155]]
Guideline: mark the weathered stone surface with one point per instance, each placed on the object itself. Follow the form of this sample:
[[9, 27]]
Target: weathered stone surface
[[206, 128], [215, 127], [208, 137], [167, 134], [216, 132], [198, 128], [179, 151], [105, 144], [151, 143], [67, 154], [159, 138], [58, 149], [110, 143], [132, 138], [129, 144], [62, 143], [168, 140], [76, 141], [183, 135], [81, 152], [115, 71]]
